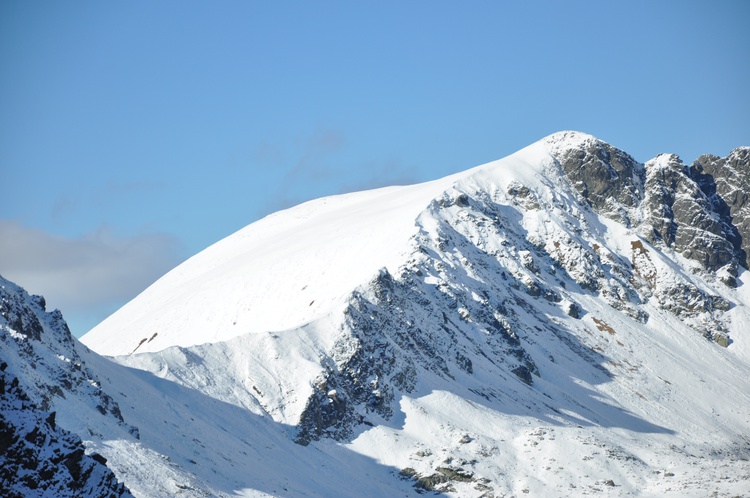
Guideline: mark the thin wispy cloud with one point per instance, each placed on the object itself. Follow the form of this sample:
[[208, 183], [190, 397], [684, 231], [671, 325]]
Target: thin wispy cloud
[[309, 163], [63, 206], [67, 206], [314, 152], [268, 154], [386, 174]]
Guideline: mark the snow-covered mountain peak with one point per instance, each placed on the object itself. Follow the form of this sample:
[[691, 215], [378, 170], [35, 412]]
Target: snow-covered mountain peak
[[664, 160], [298, 264], [563, 143], [302, 263], [570, 139], [565, 320]]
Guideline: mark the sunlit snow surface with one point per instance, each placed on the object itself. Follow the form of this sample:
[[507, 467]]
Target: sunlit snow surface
[[229, 346], [278, 273]]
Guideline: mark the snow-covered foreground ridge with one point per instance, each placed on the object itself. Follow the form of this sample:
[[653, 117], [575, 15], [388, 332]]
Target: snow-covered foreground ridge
[[564, 321]]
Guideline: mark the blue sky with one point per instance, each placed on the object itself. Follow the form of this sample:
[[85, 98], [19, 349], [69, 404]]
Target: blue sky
[[135, 134]]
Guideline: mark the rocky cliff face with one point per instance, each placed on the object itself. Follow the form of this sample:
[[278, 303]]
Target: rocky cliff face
[[39, 364], [609, 179], [679, 215], [701, 211], [726, 183], [498, 263]]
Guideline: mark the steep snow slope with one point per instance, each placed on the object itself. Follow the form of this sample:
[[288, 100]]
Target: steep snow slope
[[278, 273], [541, 324]]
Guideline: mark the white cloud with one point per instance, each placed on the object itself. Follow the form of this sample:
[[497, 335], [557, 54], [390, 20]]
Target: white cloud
[[82, 276]]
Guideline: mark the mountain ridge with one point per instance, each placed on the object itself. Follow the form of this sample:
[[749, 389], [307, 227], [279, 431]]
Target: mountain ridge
[[543, 324], [589, 165]]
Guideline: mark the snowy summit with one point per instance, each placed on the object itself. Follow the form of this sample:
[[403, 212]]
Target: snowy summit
[[565, 321], [295, 265]]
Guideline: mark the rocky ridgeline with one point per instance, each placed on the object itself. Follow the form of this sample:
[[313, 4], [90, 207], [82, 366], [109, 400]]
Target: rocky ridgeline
[[461, 303], [701, 211], [607, 178], [449, 315], [39, 365]]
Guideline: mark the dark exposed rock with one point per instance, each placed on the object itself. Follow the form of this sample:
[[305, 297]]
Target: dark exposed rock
[[523, 195], [574, 310], [37, 457], [459, 475], [425, 483], [726, 183], [608, 178], [523, 373], [702, 211], [36, 453], [681, 216], [439, 480]]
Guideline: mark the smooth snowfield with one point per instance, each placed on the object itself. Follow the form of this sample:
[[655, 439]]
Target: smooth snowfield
[[278, 273]]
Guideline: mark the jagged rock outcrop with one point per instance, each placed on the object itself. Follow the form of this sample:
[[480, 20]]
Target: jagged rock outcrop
[[608, 178], [701, 211], [40, 350], [397, 331], [678, 214], [40, 458], [39, 364], [726, 183]]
